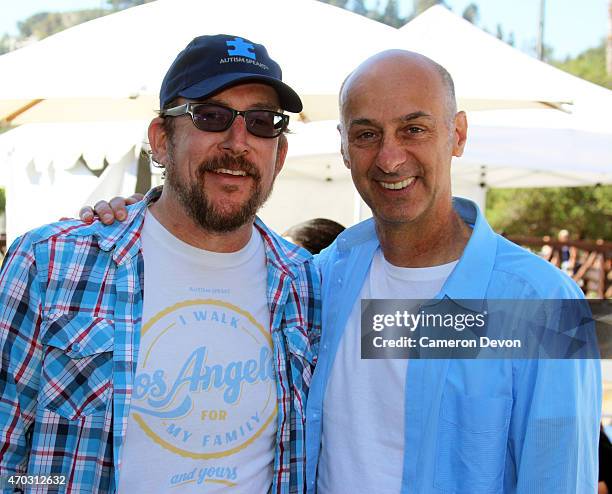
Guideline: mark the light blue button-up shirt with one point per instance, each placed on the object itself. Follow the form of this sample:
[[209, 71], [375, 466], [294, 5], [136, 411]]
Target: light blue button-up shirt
[[474, 426]]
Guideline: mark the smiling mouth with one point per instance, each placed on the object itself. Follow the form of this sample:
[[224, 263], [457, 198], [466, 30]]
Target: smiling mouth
[[398, 185], [225, 171]]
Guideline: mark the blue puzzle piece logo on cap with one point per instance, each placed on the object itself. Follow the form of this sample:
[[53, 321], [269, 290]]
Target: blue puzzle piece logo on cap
[[239, 47]]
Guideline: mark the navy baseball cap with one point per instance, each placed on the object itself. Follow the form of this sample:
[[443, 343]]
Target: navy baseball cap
[[210, 64]]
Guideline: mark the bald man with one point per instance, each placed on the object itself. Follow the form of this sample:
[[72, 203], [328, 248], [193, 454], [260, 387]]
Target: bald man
[[432, 426], [446, 425]]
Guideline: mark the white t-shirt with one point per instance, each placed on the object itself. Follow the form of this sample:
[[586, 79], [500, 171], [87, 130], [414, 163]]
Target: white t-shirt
[[362, 445], [203, 408]]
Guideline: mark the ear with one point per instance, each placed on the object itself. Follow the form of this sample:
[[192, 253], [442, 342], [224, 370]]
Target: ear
[[281, 153], [343, 146], [460, 134], [158, 140]]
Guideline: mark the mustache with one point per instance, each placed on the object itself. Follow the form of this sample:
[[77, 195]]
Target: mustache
[[239, 163]]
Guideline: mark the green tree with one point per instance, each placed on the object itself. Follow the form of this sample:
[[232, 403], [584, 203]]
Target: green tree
[[421, 6], [589, 65], [338, 3], [471, 14], [360, 8], [126, 4], [45, 24], [584, 211], [390, 15], [499, 32], [6, 43]]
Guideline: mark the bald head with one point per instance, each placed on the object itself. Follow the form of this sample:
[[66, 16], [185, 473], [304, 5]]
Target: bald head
[[396, 67]]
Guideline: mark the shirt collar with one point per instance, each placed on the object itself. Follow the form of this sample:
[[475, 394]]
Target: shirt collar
[[470, 278], [280, 252], [124, 237]]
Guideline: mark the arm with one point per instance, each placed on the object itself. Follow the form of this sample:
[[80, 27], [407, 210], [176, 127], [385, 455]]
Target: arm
[[554, 426], [554, 429], [20, 318], [108, 212]]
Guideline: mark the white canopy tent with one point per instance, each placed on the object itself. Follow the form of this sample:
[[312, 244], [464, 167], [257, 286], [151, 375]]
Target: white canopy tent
[[86, 74], [51, 170], [50, 176], [495, 156], [484, 66], [110, 68]]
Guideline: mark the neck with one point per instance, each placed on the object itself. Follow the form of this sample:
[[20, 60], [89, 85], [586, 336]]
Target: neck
[[170, 213], [437, 239]]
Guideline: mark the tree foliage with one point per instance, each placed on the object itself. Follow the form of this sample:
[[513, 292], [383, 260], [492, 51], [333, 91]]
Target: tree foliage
[[589, 65], [585, 211], [45, 24], [471, 13], [126, 4], [421, 6], [389, 13]]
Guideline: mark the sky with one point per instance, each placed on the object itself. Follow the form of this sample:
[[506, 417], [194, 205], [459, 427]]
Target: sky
[[571, 26]]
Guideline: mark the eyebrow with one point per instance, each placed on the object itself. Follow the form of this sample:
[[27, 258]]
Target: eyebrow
[[260, 105], [414, 116], [404, 118]]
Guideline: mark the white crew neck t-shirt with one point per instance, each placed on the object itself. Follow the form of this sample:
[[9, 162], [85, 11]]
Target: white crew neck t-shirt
[[362, 445], [203, 409]]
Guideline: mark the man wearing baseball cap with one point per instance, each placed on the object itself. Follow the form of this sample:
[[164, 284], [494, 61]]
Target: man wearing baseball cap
[[171, 352]]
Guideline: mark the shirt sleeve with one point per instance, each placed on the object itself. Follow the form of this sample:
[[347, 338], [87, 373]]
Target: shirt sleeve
[[554, 430], [20, 318]]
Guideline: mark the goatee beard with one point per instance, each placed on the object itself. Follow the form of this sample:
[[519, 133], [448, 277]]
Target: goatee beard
[[193, 198]]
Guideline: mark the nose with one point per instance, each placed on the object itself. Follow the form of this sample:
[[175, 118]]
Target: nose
[[235, 138], [391, 154]]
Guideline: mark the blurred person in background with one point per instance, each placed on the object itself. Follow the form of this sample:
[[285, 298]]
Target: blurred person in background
[[314, 235]]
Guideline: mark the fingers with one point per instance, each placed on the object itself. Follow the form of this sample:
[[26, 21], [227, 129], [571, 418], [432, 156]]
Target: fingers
[[105, 212], [117, 205], [134, 198], [110, 211], [86, 214]]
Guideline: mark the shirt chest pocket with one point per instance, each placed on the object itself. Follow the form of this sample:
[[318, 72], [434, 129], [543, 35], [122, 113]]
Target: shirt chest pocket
[[77, 367], [471, 443]]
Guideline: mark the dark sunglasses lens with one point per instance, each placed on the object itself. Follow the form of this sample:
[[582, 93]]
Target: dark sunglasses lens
[[212, 118], [265, 123]]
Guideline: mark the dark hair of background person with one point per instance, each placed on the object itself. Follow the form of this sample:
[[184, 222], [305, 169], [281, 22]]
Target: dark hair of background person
[[314, 235]]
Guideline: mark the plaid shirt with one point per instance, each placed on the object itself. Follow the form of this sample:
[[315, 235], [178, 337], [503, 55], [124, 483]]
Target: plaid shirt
[[70, 306]]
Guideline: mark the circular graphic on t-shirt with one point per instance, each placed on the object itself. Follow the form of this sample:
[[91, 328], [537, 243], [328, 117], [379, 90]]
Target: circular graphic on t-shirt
[[205, 385]]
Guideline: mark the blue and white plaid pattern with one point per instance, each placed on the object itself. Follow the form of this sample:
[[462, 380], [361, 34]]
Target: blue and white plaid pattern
[[70, 312]]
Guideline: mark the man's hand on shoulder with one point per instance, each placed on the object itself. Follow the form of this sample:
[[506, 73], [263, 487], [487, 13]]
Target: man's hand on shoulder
[[110, 211]]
